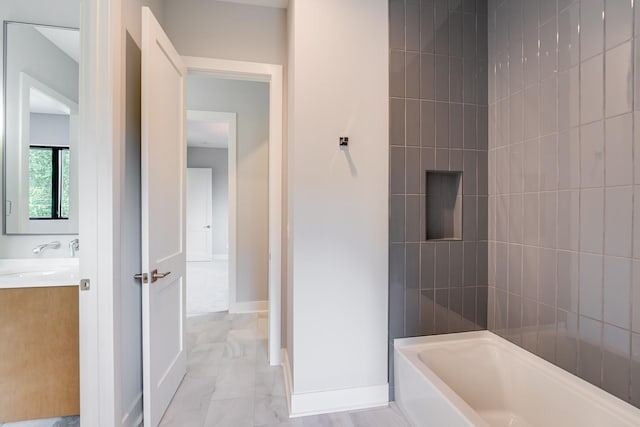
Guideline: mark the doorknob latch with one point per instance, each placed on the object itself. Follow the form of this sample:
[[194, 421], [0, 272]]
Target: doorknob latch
[[154, 276], [141, 276]]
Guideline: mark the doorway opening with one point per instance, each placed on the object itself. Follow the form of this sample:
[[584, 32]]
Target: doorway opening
[[211, 201], [238, 141]]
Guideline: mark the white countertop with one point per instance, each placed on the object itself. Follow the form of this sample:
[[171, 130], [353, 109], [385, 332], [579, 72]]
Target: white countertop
[[38, 272]]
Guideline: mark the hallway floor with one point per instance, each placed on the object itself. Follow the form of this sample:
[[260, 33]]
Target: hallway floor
[[229, 382], [207, 287]]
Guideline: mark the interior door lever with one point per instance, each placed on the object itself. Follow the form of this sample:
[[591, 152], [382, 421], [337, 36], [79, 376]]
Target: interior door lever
[[155, 275]]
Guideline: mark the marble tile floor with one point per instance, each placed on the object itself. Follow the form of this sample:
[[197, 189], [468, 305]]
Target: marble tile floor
[[73, 421], [229, 382], [207, 287]]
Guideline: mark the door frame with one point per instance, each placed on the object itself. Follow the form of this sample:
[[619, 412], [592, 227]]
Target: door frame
[[100, 90], [272, 74]]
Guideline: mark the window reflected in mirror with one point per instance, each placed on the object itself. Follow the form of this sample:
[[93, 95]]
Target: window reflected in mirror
[[48, 182]]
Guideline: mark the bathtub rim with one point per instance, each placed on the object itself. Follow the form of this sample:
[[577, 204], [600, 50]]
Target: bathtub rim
[[410, 349]]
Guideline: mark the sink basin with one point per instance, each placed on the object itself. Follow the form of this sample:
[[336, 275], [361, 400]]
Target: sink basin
[[24, 273]]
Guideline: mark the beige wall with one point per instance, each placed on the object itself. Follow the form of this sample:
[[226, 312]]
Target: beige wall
[[226, 30]]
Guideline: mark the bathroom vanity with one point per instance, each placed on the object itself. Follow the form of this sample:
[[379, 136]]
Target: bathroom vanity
[[39, 301], [39, 345]]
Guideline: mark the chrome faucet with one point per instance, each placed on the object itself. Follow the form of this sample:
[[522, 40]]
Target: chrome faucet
[[51, 245], [74, 246]]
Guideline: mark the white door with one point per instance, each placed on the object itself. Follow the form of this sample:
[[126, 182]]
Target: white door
[[163, 219], [199, 214]]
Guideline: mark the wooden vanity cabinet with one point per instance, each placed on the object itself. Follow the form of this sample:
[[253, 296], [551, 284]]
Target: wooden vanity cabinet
[[39, 353]]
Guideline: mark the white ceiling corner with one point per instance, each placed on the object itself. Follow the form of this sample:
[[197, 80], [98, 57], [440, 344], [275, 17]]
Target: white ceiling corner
[[44, 104], [67, 39]]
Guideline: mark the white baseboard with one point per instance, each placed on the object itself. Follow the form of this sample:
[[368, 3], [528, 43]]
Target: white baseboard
[[248, 306], [133, 417], [324, 402], [350, 399]]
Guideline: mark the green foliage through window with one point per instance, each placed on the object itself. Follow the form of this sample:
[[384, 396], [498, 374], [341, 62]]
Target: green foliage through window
[[64, 184], [48, 182]]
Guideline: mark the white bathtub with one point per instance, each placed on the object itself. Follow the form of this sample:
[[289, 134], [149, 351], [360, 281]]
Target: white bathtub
[[480, 379]]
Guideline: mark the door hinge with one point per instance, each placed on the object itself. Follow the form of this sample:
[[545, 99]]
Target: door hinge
[[85, 284]]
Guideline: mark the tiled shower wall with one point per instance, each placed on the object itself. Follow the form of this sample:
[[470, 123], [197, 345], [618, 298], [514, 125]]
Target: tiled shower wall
[[438, 121], [564, 199]]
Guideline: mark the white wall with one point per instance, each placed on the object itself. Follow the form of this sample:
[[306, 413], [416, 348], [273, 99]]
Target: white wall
[[250, 101], [217, 160], [338, 85], [287, 229], [226, 30], [49, 129], [65, 13]]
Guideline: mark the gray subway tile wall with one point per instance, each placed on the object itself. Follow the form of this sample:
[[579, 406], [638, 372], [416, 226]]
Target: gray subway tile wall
[[439, 122], [564, 193]]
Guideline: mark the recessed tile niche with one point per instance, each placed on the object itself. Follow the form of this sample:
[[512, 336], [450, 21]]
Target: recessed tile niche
[[444, 205]]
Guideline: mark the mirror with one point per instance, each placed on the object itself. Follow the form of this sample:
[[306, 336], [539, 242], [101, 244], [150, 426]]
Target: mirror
[[41, 128]]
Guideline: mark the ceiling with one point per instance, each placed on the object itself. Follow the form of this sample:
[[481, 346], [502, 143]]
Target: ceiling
[[281, 4], [44, 104], [67, 40], [207, 134]]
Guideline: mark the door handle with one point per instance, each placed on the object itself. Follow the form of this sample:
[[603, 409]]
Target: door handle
[[155, 275], [207, 226]]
